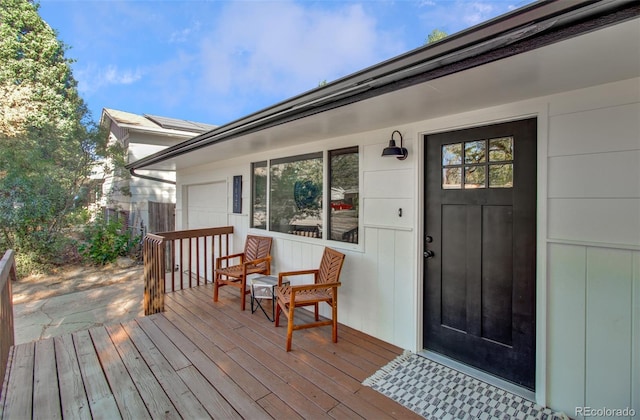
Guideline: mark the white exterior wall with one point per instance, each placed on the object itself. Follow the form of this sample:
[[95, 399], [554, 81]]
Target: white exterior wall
[[145, 190], [593, 248], [588, 277]]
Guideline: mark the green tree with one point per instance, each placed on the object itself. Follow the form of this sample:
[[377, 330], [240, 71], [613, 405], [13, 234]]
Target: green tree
[[435, 35], [47, 142]]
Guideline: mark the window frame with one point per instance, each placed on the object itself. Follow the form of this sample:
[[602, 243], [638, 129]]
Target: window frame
[[326, 155], [293, 159], [254, 165], [330, 154]]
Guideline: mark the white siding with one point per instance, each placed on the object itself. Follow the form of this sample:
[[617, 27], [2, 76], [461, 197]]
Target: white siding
[[567, 327], [594, 248], [593, 330], [594, 173]]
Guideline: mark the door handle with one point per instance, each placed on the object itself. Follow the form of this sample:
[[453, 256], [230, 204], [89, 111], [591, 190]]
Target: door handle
[[429, 254]]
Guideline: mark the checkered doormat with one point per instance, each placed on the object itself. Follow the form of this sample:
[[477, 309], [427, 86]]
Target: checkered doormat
[[438, 392]]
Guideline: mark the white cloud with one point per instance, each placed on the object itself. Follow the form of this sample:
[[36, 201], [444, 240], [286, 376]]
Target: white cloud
[[286, 48], [92, 78], [185, 34], [476, 12], [453, 16], [114, 76]]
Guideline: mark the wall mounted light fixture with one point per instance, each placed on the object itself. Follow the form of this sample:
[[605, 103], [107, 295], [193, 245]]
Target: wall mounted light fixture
[[399, 152]]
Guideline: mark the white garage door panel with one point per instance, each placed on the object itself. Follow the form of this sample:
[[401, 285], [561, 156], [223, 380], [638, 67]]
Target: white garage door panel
[[207, 205]]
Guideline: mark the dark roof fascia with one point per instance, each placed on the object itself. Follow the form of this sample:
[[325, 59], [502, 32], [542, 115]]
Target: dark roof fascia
[[521, 30]]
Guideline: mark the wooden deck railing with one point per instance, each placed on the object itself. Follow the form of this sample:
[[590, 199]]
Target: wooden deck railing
[[180, 259], [7, 275]]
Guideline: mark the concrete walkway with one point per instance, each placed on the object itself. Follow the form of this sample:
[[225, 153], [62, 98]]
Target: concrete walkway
[[104, 302]]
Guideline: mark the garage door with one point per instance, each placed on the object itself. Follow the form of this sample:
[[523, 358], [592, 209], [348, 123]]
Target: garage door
[[207, 205]]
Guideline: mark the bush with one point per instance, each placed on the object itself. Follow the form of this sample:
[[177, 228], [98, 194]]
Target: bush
[[29, 263], [106, 241]]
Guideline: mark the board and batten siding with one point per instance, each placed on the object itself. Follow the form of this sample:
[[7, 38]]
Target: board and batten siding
[[593, 249]]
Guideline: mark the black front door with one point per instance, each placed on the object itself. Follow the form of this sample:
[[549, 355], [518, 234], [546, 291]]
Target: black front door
[[480, 253]]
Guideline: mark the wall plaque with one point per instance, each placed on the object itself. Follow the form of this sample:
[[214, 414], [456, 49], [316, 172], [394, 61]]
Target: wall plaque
[[237, 194]]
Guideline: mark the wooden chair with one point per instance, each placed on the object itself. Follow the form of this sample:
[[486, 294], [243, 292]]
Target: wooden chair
[[256, 259], [323, 289]]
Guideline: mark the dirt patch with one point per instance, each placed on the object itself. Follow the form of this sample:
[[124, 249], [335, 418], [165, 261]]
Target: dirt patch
[[74, 278]]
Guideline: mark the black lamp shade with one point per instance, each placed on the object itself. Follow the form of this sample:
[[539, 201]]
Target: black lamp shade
[[393, 150]]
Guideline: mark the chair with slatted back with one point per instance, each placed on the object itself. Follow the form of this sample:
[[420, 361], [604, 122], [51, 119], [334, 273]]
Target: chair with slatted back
[[323, 289], [256, 259]]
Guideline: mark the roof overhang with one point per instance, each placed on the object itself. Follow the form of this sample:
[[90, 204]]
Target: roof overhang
[[541, 49], [134, 123]]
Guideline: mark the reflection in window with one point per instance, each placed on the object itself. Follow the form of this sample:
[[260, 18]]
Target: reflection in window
[[452, 178], [344, 188], [452, 154], [474, 152], [501, 150], [296, 195], [499, 164], [259, 195], [501, 176], [474, 177]]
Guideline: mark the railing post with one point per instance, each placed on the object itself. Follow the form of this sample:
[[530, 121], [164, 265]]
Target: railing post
[[154, 273], [7, 276]]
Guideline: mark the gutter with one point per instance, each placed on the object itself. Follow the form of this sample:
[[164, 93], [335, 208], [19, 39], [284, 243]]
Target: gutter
[[454, 53], [167, 132], [132, 171]]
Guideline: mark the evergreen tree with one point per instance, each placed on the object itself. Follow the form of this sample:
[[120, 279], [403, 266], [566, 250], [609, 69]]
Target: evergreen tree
[[47, 141]]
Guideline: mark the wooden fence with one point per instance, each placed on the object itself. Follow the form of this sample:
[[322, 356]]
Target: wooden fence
[[180, 259], [7, 275]]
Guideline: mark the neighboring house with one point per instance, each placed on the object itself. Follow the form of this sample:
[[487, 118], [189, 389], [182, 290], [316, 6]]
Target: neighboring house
[[509, 238], [146, 201]]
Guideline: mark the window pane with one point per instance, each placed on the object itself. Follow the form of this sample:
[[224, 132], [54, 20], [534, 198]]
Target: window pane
[[452, 178], [344, 187], [259, 195], [296, 195], [501, 176], [452, 154], [501, 149], [474, 177], [475, 151]]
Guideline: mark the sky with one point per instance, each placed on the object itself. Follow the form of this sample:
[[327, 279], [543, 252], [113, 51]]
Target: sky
[[218, 61]]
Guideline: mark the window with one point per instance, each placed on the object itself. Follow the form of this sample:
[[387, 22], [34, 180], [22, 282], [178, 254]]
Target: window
[[478, 164], [294, 203], [344, 188], [259, 195]]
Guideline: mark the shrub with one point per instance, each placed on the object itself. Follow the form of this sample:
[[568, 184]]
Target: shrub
[[105, 241]]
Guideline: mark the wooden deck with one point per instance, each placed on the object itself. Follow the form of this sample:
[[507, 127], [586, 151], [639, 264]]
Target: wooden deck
[[198, 360]]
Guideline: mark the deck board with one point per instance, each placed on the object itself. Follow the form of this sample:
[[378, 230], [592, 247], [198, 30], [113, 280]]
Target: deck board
[[18, 404], [169, 379], [46, 400], [129, 401], [101, 400], [198, 336], [161, 342], [157, 402], [73, 397], [199, 359]]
